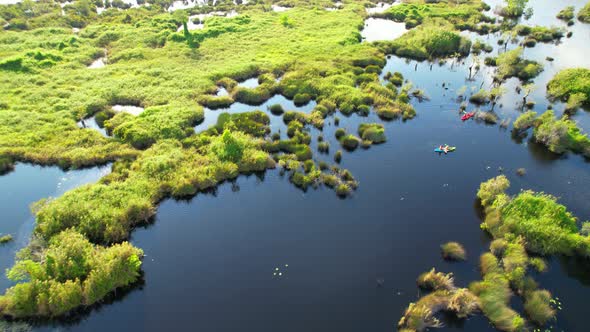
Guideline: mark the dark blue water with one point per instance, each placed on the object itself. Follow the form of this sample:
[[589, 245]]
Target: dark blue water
[[210, 262]]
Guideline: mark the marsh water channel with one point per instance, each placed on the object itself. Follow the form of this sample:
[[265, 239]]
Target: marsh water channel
[[210, 261]]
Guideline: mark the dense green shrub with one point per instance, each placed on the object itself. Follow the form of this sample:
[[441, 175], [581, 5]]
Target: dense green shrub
[[453, 251], [571, 83], [429, 41], [73, 273], [584, 13], [373, 132], [349, 142], [510, 64]]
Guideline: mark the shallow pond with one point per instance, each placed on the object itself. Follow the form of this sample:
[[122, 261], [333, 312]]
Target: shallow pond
[[210, 261], [381, 29], [91, 123], [131, 109]]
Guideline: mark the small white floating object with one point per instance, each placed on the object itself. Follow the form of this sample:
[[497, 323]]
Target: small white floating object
[[280, 273], [286, 265], [276, 268]]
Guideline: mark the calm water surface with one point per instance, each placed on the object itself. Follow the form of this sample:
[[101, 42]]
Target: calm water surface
[[210, 261]]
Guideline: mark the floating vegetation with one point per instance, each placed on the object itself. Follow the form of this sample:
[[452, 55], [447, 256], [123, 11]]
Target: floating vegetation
[[510, 64], [372, 133], [572, 86], [5, 238], [558, 135], [434, 39], [453, 251], [584, 13]]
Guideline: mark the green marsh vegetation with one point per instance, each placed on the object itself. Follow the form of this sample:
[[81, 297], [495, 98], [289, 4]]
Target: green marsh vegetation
[[559, 135], [584, 13], [453, 251], [567, 14], [526, 223], [462, 14], [511, 64], [572, 86], [5, 238], [372, 133], [433, 39]]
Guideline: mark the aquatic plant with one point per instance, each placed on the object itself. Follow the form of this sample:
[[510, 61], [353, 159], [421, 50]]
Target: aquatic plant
[[571, 84], [73, 273], [5, 238], [324, 147], [453, 251], [276, 109], [338, 156], [545, 225], [349, 142], [432, 40], [396, 78], [510, 64], [464, 15], [566, 14], [584, 13], [433, 280], [373, 132], [538, 306]]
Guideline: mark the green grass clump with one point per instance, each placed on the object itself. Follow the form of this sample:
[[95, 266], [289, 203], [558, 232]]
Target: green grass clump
[[525, 121], [324, 147], [372, 132], [558, 135], [276, 109], [545, 225], [538, 307], [571, 83], [480, 46], [566, 14], [431, 40], [155, 123], [396, 78], [5, 238], [540, 33], [6, 165], [453, 251], [72, 273], [433, 280], [584, 13], [510, 64], [349, 142], [216, 102], [464, 15], [338, 156]]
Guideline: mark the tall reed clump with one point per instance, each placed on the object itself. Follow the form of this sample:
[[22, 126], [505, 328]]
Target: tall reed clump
[[421, 315], [453, 251], [571, 86], [584, 13], [372, 132]]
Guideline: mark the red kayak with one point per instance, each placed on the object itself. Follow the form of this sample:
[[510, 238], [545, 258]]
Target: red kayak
[[467, 116]]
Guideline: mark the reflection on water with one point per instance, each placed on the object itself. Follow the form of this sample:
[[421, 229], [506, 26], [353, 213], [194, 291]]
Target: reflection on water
[[90, 123], [250, 83], [131, 109], [381, 29]]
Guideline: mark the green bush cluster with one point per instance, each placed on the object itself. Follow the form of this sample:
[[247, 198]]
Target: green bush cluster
[[510, 64], [372, 132], [72, 273], [571, 84], [435, 39], [463, 15], [558, 135], [584, 13], [546, 226]]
